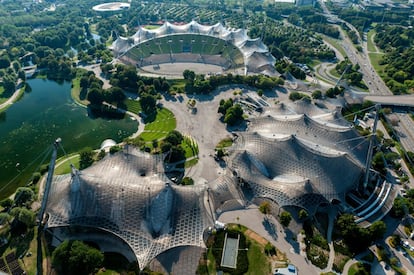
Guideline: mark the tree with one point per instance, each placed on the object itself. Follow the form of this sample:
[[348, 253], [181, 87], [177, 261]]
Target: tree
[[317, 94], [174, 138], [303, 214], [36, 177], [377, 230], [95, 96], [399, 207], [285, 218], [84, 82], [24, 216], [86, 158], [189, 75], [234, 114], [75, 257], [4, 218], [4, 62], [148, 103], [265, 207], [6, 203], [23, 196]]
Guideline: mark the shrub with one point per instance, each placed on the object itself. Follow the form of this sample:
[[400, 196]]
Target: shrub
[[285, 218]]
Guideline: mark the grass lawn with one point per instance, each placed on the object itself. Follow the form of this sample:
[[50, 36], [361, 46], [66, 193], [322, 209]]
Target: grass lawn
[[370, 42], [335, 73], [354, 269], [375, 59], [177, 84], [211, 262], [30, 263], [190, 163], [336, 43], [64, 167], [2, 99], [133, 106], [258, 261], [226, 142], [163, 123], [76, 90]]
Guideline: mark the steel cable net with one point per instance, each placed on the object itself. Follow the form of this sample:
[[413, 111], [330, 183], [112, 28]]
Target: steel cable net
[[225, 194], [297, 160], [140, 47], [127, 194]]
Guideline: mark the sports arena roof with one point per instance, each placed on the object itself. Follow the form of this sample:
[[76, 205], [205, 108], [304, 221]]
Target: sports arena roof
[[256, 55], [128, 195], [296, 160]]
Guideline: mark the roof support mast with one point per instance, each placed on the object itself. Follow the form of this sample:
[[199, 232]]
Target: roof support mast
[[371, 146], [49, 179]]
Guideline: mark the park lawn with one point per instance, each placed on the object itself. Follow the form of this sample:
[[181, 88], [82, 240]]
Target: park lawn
[[375, 59], [226, 142], [211, 262], [177, 83], [354, 269], [65, 168], [258, 261], [163, 123], [336, 43], [75, 92], [30, 263], [370, 42], [189, 151], [191, 162], [133, 106], [150, 136], [2, 98], [335, 73]]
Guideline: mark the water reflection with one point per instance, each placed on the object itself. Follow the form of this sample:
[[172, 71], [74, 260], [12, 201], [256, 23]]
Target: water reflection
[[42, 115]]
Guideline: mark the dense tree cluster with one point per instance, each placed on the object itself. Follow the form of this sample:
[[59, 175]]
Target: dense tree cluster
[[334, 91], [308, 18], [403, 205], [232, 113], [359, 238], [299, 96], [350, 72], [298, 44], [397, 42], [362, 19], [283, 66], [172, 145], [75, 257], [200, 84]]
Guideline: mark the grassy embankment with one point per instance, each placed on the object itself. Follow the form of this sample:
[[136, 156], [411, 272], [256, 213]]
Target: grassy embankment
[[375, 54], [5, 96]]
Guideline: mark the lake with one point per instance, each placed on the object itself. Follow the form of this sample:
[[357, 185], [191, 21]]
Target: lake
[[29, 127]]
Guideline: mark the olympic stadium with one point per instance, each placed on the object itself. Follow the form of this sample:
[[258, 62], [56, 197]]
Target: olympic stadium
[[223, 50], [111, 7]]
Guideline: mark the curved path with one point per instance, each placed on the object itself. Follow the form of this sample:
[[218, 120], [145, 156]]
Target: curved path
[[13, 98]]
